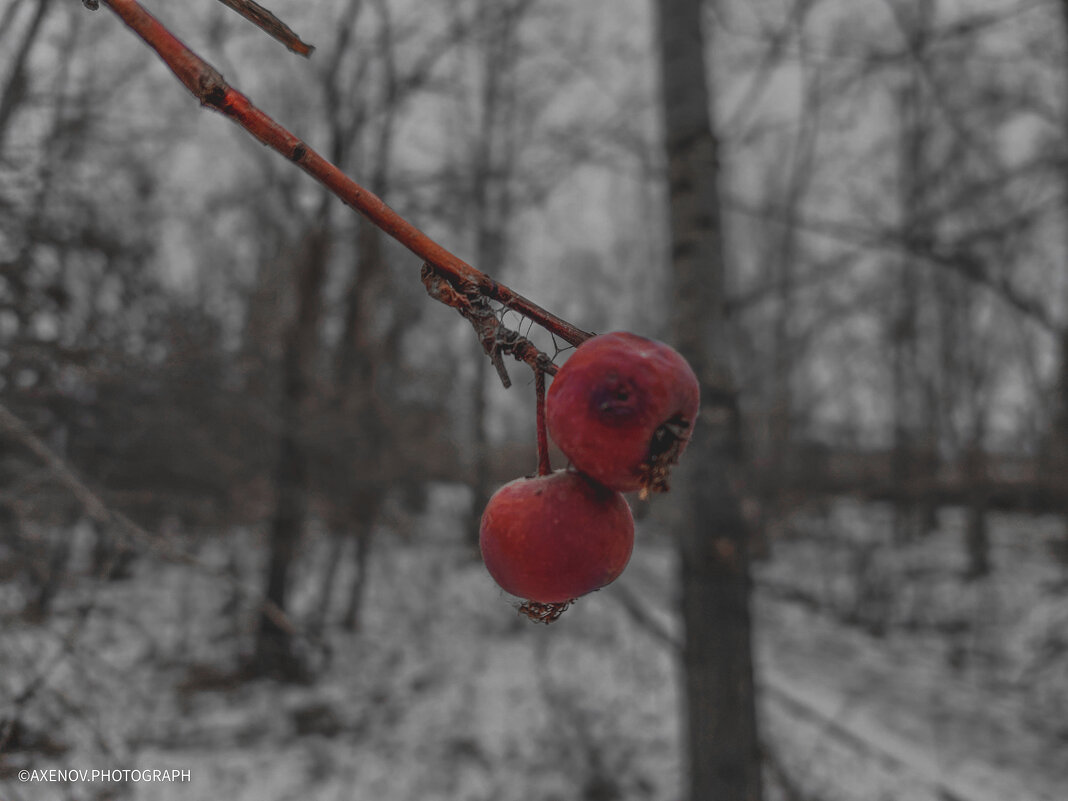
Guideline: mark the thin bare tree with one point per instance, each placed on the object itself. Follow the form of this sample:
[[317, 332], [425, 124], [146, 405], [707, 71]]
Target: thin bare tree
[[713, 543]]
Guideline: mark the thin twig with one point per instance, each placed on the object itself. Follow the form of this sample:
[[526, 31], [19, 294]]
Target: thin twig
[[270, 24]]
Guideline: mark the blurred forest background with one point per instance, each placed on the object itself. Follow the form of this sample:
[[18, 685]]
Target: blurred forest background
[[253, 382]]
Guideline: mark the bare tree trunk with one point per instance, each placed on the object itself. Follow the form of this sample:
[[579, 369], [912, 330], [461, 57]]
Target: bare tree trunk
[[50, 577], [915, 234], [784, 254], [1060, 446], [722, 739], [491, 208], [16, 89], [356, 358], [317, 623], [977, 538], [903, 331], [361, 351], [274, 655], [358, 364], [1058, 458], [364, 536]]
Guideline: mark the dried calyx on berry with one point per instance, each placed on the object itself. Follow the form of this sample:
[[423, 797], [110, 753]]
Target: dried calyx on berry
[[622, 409]]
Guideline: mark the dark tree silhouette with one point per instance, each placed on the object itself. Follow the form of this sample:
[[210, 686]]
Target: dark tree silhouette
[[712, 536]]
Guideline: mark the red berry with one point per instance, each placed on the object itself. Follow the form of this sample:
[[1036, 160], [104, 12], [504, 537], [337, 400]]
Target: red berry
[[622, 409], [553, 538]]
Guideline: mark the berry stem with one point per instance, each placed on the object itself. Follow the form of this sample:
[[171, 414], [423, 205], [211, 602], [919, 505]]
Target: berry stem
[[544, 468]]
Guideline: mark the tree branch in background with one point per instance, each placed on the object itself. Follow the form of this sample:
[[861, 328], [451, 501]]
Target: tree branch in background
[[269, 24], [959, 260], [99, 511], [208, 86]]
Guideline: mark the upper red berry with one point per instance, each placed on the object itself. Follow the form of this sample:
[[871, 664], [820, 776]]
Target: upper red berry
[[553, 538], [622, 409]]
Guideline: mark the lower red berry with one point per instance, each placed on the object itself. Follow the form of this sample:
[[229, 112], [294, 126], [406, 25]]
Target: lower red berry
[[551, 539]]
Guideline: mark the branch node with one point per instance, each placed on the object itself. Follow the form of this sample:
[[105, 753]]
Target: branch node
[[212, 90], [497, 339]]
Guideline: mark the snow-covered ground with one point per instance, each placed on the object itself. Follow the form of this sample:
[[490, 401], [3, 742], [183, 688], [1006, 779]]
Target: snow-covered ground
[[943, 689]]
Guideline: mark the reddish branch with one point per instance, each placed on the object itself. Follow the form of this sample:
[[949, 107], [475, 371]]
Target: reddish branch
[[208, 86]]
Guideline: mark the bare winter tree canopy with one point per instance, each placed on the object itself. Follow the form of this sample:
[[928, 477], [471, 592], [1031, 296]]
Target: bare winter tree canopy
[[302, 495]]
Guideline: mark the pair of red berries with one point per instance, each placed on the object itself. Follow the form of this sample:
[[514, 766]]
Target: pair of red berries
[[621, 409]]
